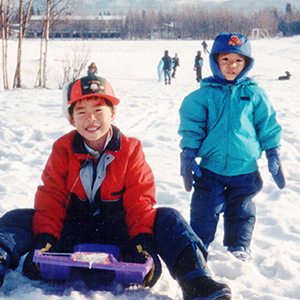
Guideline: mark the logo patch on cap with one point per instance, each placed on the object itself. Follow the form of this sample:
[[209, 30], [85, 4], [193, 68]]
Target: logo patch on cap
[[94, 86], [235, 41]]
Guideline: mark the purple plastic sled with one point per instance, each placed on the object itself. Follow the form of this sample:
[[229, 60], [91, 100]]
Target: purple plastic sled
[[58, 266]]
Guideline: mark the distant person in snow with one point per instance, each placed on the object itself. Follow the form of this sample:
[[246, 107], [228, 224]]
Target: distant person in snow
[[228, 122], [204, 45], [92, 69], [198, 64], [98, 188], [175, 64], [167, 67]]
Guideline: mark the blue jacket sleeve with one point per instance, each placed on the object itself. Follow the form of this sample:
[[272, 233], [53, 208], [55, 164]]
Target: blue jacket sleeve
[[268, 130], [193, 117]]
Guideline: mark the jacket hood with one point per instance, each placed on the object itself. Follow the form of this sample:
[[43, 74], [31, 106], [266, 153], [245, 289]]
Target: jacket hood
[[230, 43]]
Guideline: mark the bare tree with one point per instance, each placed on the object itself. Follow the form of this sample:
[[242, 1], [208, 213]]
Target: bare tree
[[197, 22], [46, 36], [23, 25], [7, 9], [74, 64], [39, 75], [55, 11]]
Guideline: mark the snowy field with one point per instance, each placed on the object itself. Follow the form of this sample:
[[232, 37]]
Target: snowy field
[[31, 120]]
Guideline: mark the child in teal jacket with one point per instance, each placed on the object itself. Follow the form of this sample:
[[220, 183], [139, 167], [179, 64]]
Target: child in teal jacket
[[228, 122]]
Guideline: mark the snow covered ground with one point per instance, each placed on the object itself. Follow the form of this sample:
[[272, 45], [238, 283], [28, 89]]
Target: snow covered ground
[[31, 120]]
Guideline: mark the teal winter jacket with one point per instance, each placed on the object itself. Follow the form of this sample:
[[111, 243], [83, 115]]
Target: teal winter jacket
[[230, 125]]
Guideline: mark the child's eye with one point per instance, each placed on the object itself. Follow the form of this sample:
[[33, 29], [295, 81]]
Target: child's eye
[[81, 112]]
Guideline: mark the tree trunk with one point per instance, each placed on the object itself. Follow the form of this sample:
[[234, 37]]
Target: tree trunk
[[27, 16], [5, 31], [5, 77], [47, 28], [39, 75], [22, 32], [17, 78]]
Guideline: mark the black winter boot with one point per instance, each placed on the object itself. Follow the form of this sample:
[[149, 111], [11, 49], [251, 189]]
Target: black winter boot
[[195, 279]]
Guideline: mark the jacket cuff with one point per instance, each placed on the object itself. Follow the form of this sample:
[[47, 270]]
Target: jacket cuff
[[272, 152]]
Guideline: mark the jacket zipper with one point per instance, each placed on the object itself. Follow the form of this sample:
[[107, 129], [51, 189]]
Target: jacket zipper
[[228, 128]]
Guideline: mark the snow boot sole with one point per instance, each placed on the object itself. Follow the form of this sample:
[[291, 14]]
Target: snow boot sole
[[224, 294]]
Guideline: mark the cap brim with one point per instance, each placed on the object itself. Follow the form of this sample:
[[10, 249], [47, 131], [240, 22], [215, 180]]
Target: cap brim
[[113, 100]]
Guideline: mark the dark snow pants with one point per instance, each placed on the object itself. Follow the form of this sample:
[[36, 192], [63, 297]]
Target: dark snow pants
[[167, 74], [232, 195], [172, 235], [198, 74], [16, 236]]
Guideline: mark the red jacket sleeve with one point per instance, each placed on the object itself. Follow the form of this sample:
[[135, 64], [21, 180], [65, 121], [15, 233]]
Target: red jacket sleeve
[[51, 197]]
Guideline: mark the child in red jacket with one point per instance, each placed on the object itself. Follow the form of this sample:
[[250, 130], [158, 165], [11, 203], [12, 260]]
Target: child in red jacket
[[98, 188]]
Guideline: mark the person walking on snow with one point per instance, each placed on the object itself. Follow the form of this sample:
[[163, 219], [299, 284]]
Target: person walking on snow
[[167, 67], [198, 64], [228, 122], [204, 45], [98, 188], [175, 64]]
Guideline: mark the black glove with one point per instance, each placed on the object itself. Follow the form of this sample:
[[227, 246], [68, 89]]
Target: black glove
[[44, 243], [142, 249], [274, 166], [188, 165]]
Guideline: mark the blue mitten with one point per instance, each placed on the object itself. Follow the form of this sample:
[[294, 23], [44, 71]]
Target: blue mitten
[[189, 165], [274, 166], [142, 249]]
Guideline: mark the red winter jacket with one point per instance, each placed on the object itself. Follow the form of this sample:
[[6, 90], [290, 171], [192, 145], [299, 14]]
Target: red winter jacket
[[123, 175]]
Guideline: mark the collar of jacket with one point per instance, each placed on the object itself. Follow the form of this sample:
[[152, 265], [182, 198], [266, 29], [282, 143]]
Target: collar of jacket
[[113, 146], [214, 81]]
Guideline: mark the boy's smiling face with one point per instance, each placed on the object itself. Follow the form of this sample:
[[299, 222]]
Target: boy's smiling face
[[231, 65], [92, 119]]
